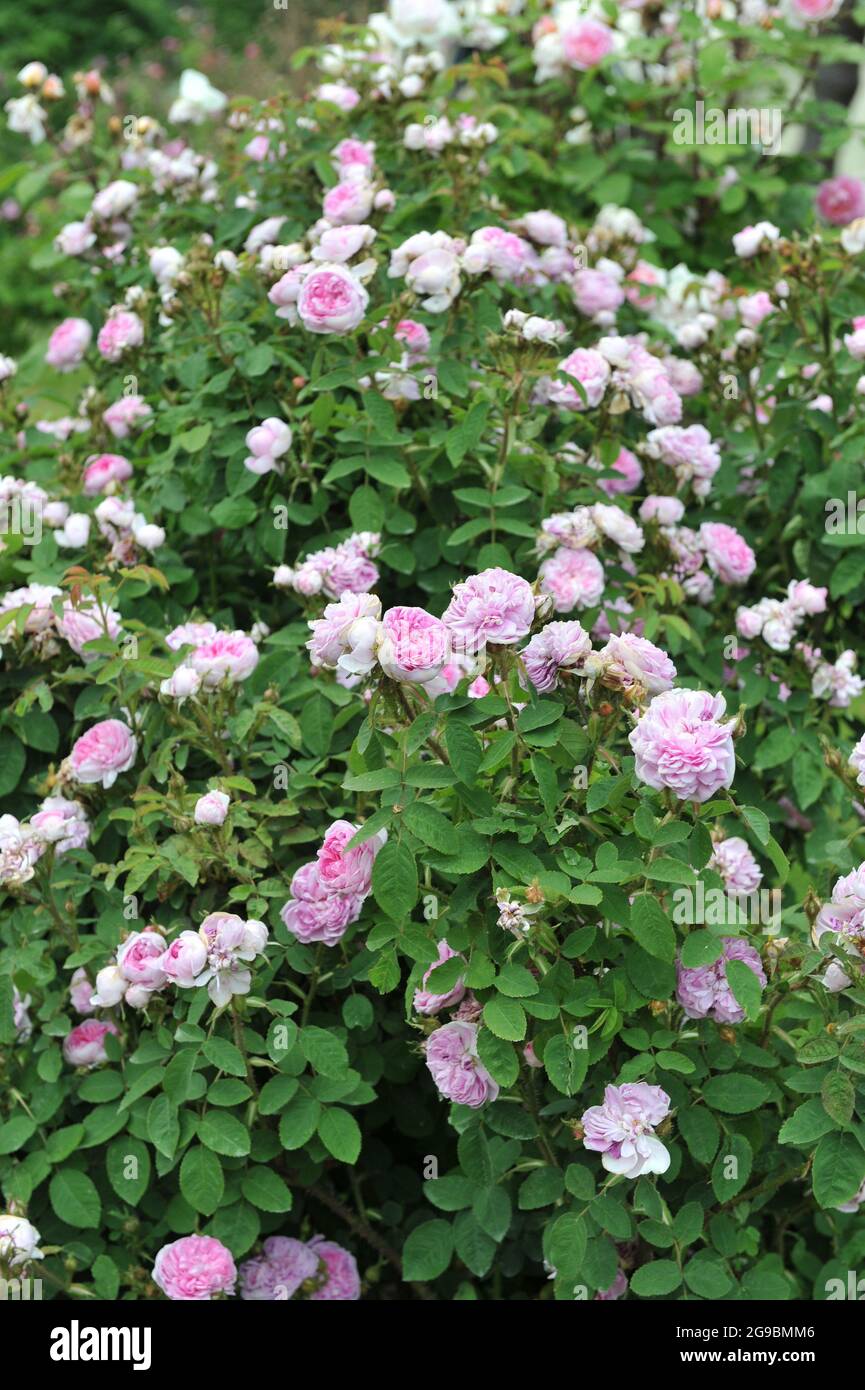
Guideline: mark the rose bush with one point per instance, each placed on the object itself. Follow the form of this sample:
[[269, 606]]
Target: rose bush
[[432, 747]]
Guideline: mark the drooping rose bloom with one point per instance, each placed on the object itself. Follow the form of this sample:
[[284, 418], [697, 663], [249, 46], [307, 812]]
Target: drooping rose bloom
[[557, 648], [127, 414], [193, 1269], [185, 959], [278, 1272], [413, 645], [495, 607], [211, 809], [317, 912], [681, 743], [103, 752], [733, 860], [622, 1129], [85, 1045], [344, 870], [456, 1069], [426, 1002], [841, 200], [267, 443], [628, 661], [100, 470], [704, 991], [343, 1281]]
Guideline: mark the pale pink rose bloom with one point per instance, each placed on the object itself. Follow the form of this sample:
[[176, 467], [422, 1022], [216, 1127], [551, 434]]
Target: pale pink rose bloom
[[181, 684], [79, 626], [618, 526], [667, 511], [267, 443], [19, 1241], [413, 645], [557, 648], [62, 823], [353, 154], [347, 871], [185, 959], [622, 1129], [841, 200], [428, 1003], [682, 743], [229, 657], [630, 473], [857, 761], [754, 308], [479, 687], [345, 637], [103, 752], [75, 238], [591, 370], [193, 1269], [80, 992], [110, 987], [231, 943], [316, 912], [728, 555], [115, 199], [545, 228], [704, 991], [814, 11], [85, 1045], [506, 255], [456, 1069], [595, 293], [495, 607], [190, 635], [120, 332], [343, 1281], [627, 661], [733, 860], [102, 469], [211, 809], [139, 958], [573, 578], [338, 94], [278, 1272], [68, 344], [127, 414], [586, 43], [331, 300], [349, 201], [341, 243], [416, 338]]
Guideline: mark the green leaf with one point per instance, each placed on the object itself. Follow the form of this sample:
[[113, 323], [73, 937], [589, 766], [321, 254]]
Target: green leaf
[[566, 1065], [224, 1055], [735, 1093], [652, 928], [201, 1180], [324, 1051], [224, 1133], [839, 1097], [839, 1169], [340, 1134], [265, 1189], [506, 1018], [427, 1251], [656, 1279], [394, 880], [700, 948], [299, 1122], [541, 1188], [745, 986], [74, 1199], [707, 1278], [700, 1131], [732, 1167], [464, 750], [127, 1164], [565, 1244]]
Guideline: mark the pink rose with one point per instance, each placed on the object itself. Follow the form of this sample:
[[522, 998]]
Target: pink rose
[[85, 1045], [413, 645], [193, 1269], [591, 370], [545, 228], [61, 823], [573, 578], [139, 958], [185, 959], [727, 554], [495, 607], [68, 344], [623, 1129], [456, 1069], [103, 752], [81, 992], [425, 1002], [841, 200], [344, 870], [586, 43], [121, 331], [630, 472], [190, 635], [278, 1272], [557, 647], [102, 469], [681, 743], [345, 637], [229, 657], [596, 293], [704, 991], [126, 414], [331, 300], [342, 1283], [267, 443], [628, 661], [211, 809], [349, 201]]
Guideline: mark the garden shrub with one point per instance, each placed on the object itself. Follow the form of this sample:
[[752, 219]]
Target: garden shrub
[[431, 729]]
